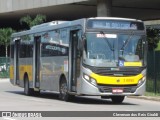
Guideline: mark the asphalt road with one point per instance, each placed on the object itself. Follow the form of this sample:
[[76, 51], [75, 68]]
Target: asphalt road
[[12, 98]]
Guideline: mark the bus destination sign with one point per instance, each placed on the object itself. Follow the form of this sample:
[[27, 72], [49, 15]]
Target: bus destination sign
[[115, 24]]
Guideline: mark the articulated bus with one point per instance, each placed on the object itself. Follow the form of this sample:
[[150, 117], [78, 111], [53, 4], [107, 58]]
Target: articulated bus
[[101, 56]]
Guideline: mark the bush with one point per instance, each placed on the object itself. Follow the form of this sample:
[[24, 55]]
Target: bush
[[4, 74]]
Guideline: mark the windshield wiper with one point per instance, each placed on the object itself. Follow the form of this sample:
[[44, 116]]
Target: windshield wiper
[[126, 42], [106, 39], [110, 46]]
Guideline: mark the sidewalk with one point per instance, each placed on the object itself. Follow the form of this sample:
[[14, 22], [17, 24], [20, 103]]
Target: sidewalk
[[4, 79], [156, 98]]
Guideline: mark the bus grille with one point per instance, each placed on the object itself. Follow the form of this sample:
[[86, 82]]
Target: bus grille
[[108, 89]]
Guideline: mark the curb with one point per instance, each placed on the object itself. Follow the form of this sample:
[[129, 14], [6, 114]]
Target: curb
[[4, 78], [146, 98]]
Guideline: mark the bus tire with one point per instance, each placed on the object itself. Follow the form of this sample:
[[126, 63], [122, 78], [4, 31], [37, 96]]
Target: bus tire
[[28, 91], [64, 91], [117, 99], [37, 93]]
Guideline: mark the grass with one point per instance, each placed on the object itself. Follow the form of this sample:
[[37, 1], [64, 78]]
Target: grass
[[150, 85], [152, 94], [158, 47]]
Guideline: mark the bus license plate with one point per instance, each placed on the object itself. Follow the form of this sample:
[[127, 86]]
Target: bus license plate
[[117, 90]]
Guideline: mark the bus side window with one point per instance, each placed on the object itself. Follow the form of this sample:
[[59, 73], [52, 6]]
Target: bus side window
[[64, 36]]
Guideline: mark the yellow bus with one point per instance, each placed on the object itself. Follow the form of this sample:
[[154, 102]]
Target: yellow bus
[[101, 56]]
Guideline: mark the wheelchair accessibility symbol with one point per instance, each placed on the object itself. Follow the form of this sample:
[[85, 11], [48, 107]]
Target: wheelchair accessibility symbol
[[121, 63]]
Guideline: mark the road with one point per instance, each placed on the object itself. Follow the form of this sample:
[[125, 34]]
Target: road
[[12, 98]]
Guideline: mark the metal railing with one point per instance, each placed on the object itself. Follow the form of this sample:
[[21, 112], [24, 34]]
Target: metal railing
[[153, 73], [4, 67]]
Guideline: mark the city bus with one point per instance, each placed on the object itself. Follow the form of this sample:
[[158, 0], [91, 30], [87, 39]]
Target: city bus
[[99, 56]]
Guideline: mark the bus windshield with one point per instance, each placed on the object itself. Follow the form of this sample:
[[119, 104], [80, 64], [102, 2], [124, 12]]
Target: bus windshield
[[113, 50]]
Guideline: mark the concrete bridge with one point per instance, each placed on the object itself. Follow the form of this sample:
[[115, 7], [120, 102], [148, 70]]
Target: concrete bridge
[[12, 10]]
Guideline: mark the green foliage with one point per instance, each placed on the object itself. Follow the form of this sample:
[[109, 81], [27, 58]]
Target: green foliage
[[4, 67], [152, 94], [150, 85], [153, 38], [33, 21], [4, 74], [5, 35]]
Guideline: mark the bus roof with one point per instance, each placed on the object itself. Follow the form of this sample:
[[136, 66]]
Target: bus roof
[[115, 18], [49, 26], [62, 24]]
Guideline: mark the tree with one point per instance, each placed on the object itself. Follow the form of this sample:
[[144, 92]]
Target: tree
[[153, 37], [33, 21], [5, 36]]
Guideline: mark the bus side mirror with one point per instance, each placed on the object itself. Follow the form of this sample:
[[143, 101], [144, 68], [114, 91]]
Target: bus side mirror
[[81, 43], [80, 48]]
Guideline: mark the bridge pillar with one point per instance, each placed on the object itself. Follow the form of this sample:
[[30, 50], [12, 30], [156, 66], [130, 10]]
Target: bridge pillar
[[104, 8]]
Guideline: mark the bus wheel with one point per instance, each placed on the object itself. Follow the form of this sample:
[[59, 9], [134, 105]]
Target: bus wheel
[[63, 91], [28, 91], [117, 99], [37, 93]]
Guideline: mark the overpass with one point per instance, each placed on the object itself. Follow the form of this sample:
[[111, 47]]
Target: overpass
[[12, 10]]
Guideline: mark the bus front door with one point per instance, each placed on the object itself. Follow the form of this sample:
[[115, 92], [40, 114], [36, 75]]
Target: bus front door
[[74, 60], [36, 62]]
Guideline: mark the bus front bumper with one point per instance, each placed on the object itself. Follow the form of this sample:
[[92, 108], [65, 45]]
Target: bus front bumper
[[87, 88]]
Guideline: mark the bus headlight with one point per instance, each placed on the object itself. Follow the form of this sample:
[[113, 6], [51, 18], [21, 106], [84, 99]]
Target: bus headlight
[[141, 81], [90, 80], [86, 77], [93, 82]]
